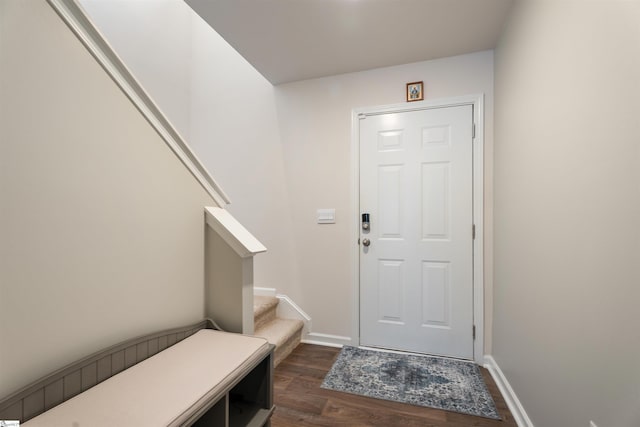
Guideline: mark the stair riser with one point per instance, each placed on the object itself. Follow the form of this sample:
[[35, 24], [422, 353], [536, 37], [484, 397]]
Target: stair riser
[[262, 319], [282, 351]]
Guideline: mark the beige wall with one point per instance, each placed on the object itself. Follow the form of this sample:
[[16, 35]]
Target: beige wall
[[235, 132], [154, 39], [567, 205], [222, 106], [315, 125], [101, 227]]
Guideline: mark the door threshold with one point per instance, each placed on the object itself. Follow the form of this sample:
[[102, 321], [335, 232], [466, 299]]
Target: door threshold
[[413, 353]]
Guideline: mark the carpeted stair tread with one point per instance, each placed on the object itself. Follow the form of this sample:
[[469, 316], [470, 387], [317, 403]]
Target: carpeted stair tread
[[264, 310], [284, 333], [279, 330], [261, 304]]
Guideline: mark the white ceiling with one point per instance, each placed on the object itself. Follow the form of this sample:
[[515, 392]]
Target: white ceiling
[[290, 40]]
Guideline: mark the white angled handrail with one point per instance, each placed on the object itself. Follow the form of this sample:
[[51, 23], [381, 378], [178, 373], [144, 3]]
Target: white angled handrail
[[232, 232], [79, 22]]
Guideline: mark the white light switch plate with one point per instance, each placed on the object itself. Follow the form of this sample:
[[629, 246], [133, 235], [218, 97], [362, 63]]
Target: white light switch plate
[[326, 216]]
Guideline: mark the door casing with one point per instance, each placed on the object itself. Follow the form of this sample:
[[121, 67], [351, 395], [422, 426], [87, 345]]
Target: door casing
[[477, 100]]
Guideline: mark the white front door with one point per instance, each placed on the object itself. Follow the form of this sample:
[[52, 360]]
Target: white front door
[[416, 274]]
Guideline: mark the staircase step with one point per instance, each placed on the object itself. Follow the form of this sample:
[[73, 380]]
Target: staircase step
[[264, 310], [284, 333]]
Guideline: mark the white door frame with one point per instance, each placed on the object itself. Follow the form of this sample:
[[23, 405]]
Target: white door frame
[[477, 101]]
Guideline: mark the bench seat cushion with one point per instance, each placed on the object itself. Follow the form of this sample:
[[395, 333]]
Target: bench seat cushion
[[164, 389]]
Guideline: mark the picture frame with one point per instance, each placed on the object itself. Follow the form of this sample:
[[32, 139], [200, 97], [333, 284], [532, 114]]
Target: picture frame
[[415, 91]]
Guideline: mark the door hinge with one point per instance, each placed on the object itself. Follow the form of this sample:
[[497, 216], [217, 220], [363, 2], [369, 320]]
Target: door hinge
[[473, 232], [473, 131], [474, 332]]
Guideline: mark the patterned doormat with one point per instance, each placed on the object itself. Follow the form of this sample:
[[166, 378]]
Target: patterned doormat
[[448, 384]]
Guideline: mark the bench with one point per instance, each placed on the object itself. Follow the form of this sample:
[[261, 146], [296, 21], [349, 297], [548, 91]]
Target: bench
[[193, 375]]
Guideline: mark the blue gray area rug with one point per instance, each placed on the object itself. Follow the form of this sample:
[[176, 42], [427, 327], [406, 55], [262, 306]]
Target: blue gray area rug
[[452, 385]]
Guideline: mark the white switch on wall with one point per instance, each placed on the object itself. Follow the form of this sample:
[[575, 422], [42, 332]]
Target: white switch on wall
[[326, 216]]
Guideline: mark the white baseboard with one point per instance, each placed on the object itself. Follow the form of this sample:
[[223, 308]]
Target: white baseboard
[[516, 408], [326, 339]]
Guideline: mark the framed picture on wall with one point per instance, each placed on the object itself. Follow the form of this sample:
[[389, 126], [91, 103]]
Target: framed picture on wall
[[415, 91]]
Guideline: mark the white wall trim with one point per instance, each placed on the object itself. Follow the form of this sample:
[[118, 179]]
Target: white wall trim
[[355, 227], [477, 101], [287, 309], [83, 27], [516, 408], [327, 340], [264, 292], [478, 220]]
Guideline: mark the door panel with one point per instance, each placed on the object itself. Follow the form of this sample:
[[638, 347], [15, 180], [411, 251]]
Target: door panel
[[390, 290], [416, 277]]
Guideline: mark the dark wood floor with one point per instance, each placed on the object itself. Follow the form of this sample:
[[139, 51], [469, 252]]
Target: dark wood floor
[[301, 402]]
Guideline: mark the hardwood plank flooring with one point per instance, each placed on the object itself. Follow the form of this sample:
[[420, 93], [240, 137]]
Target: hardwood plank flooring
[[300, 401]]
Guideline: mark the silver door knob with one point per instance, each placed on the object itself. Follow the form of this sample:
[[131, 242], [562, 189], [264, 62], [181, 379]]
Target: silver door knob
[[366, 242]]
